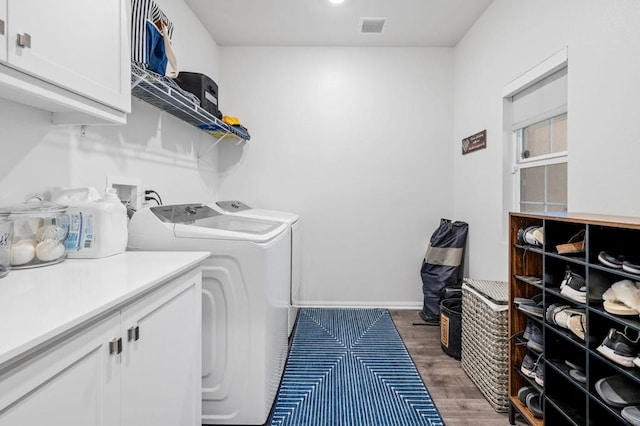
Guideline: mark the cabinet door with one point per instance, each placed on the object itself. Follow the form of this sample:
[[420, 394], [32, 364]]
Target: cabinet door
[[79, 45], [75, 383], [162, 359], [3, 30], [296, 263]]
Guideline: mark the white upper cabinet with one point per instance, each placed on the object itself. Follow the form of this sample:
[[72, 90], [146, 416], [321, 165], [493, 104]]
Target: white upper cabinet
[[3, 30], [71, 57]]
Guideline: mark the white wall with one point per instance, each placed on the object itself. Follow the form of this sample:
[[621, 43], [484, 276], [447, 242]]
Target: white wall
[[511, 37], [356, 141], [154, 147], [364, 143]]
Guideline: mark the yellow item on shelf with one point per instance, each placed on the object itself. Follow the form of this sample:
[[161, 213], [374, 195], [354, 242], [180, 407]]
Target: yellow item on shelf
[[220, 134], [233, 121]]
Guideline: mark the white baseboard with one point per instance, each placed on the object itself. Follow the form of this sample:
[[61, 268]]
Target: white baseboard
[[370, 305]]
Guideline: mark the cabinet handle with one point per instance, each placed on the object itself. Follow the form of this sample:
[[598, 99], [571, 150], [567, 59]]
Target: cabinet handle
[[115, 346], [24, 40], [1, 27], [133, 333]]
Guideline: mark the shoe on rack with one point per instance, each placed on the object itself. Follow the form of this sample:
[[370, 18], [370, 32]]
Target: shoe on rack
[[528, 300], [562, 314], [611, 260], [574, 245], [548, 314], [553, 310], [539, 374], [535, 310], [623, 298], [534, 404], [631, 414], [528, 366], [535, 342], [574, 287], [523, 392], [578, 375], [631, 266], [618, 308], [618, 391], [574, 365], [619, 347], [527, 330], [578, 324], [533, 306], [531, 235]]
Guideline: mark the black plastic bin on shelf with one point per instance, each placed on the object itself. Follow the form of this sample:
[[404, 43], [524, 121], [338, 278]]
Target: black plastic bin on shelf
[[451, 327]]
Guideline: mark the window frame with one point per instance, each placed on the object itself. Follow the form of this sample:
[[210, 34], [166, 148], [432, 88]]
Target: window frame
[[519, 135], [546, 68]]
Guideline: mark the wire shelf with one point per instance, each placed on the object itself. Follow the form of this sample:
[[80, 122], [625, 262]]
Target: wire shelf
[[149, 88]]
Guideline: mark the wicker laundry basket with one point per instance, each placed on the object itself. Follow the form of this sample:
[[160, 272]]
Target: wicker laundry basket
[[485, 339]]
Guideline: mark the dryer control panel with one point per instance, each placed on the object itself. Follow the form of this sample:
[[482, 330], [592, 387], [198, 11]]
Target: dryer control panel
[[232, 206]]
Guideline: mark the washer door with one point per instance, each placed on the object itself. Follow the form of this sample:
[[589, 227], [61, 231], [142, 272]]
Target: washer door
[[230, 227]]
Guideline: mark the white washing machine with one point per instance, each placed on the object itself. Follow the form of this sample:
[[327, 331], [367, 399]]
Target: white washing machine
[[245, 302], [294, 223]]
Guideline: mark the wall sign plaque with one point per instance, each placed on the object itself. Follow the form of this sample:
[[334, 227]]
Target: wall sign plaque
[[474, 142]]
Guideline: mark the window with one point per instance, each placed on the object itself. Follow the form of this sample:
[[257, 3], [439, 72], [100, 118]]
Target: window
[[539, 118]]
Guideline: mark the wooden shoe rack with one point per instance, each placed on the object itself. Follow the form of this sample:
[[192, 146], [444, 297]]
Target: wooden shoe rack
[[540, 270]]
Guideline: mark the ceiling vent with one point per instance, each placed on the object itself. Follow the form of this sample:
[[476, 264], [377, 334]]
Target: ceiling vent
[[372, 25]]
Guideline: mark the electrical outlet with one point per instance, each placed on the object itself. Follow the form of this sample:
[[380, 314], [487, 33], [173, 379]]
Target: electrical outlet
[[143, 190], [129, 190]]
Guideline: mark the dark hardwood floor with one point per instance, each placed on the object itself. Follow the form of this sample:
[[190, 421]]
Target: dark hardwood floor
[[457, 398]]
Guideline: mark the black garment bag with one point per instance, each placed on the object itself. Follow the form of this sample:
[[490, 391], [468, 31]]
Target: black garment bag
[[442, 267]]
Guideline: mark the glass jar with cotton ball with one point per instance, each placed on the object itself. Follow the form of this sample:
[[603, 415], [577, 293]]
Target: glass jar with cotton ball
[[6, 239], [39, 230]]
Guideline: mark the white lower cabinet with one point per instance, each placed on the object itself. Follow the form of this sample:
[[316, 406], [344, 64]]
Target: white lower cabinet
[[161, 361], [138, 366], [75, 383]]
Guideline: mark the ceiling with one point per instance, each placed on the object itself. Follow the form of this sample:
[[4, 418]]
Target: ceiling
[[320, 23]]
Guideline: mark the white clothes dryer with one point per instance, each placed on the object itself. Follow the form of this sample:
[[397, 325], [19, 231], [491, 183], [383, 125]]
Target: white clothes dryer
[[245, 301], [295, 224]]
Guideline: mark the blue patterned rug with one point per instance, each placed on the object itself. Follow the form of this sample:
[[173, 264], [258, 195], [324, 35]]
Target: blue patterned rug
[[349, 367]]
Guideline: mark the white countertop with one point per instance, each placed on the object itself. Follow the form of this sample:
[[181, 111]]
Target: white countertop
[[40, 303]]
